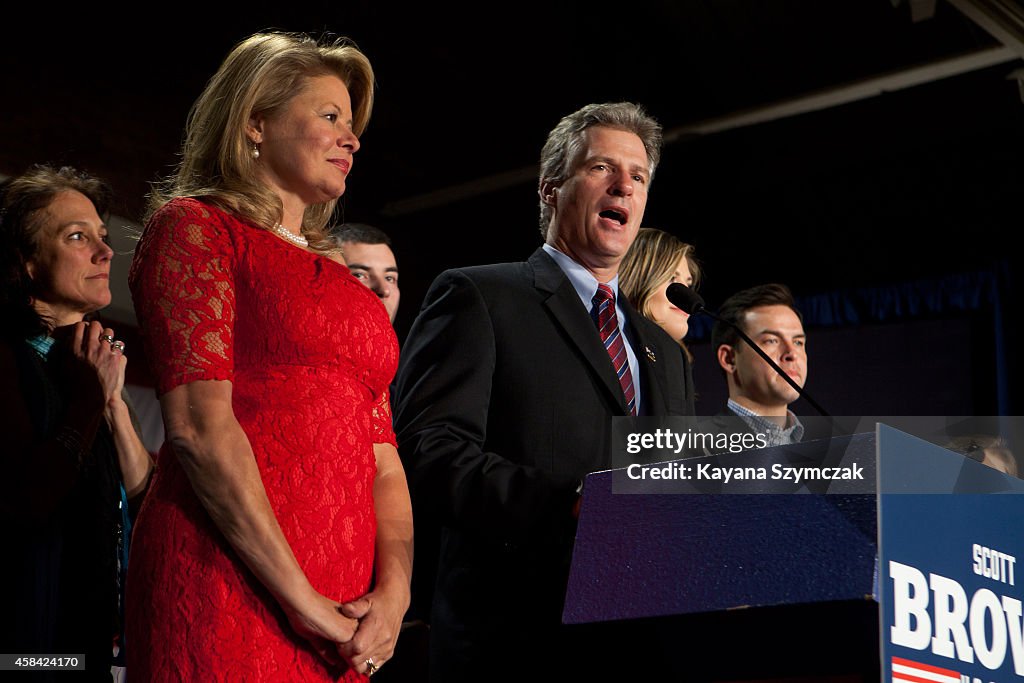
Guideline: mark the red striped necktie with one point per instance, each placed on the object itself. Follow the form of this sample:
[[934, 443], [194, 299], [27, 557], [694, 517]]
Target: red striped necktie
[[608, 326]]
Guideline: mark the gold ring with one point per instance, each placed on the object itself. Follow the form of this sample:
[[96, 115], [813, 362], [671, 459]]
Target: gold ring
[[371, 668], [107, 338]]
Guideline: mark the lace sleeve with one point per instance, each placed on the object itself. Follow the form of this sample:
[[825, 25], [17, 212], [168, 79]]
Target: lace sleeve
[[181, 281], [382, 429]]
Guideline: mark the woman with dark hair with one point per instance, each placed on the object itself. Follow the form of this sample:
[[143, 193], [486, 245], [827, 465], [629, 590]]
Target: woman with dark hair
[[73, 461], [276, 542]]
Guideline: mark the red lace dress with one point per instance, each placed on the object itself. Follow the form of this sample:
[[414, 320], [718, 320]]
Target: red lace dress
[[310, 352]]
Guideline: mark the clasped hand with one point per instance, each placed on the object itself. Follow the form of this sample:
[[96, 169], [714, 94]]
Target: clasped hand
[[355, 632], [380, 619]]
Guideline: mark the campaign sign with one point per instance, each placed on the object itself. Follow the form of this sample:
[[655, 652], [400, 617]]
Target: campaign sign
[[950, 584]]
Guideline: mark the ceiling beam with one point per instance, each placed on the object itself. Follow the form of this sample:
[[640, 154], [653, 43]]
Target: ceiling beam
[[851, 92], [467, 190], [833, 97], [1002, 19]]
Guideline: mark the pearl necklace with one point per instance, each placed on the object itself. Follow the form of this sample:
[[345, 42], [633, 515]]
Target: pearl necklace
[[284, 232]]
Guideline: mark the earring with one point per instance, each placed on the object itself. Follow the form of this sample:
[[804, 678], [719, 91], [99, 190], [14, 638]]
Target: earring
[[255, 151]]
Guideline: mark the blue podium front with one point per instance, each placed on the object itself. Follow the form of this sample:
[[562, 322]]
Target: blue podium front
[[907, 573]]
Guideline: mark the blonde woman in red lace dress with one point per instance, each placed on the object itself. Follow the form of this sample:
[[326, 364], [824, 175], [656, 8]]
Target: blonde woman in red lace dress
[[276, 541]]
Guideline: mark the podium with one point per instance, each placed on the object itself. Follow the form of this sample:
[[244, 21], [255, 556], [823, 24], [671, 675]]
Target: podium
[[774, 579]]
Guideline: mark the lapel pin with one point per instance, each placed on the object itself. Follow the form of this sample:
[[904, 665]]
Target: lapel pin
[[650, 354]]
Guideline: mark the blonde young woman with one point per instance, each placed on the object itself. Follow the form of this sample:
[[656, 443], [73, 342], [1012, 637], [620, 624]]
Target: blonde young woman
[[655, 260]]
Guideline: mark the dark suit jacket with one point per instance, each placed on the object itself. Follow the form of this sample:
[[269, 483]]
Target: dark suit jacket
[[504, 399]]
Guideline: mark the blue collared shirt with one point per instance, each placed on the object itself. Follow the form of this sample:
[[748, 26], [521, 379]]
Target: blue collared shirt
[[585, 285], [793, 432], [41, 344]]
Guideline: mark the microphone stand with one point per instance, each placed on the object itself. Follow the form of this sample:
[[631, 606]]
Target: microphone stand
[[694, 305]]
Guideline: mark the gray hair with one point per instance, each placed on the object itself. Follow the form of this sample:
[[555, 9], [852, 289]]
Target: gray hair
[[565, 142]]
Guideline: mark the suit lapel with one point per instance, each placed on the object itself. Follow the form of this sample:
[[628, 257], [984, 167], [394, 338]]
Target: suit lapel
[[569, 314], [648, 355]]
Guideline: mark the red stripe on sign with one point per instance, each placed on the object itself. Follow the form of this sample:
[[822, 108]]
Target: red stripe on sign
[[925, 667], [913, 679]]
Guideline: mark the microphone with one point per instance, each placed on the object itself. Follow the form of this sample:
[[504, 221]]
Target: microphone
[[685, 299]]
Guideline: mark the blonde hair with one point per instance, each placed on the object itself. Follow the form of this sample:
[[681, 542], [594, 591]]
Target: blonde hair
[[649, 264], [982, 447], [260, 75]]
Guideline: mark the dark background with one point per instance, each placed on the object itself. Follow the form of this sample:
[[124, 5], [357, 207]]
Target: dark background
[[913, 185]]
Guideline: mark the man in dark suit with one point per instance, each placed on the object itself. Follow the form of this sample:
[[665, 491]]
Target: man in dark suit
[[505, 392]]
